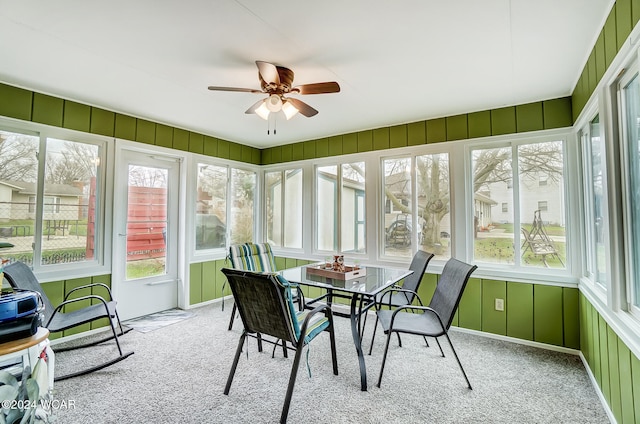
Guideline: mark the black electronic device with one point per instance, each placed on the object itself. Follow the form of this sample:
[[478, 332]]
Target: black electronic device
[[20, 313]]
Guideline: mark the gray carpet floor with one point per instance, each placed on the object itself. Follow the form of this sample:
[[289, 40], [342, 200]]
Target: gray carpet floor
[[178, 373]]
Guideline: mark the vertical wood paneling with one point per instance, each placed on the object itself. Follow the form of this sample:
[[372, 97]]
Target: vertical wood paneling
[[322, 147], [416, 133], [164, 136], [604, 359], [570, 318], [76, 116], [381, 138], [457, 127], [145, 131], [210, 146], [519, 309], [103, 122], [350, 143], [529, 117], [47, 109], [222, 289], [614, 374], [398, 136], [479, 124], [503, 120], [547, 314], [16, 102], [181, 139], [224, 149], [470, 308], [208, 280], [365, 141], [493, 321], [55, 292], [309, 149], [70, 285], [626, 384], [195, 283], [125, 127]]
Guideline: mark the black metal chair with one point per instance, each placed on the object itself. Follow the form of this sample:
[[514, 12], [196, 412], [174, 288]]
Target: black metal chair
[[266, 308], [403, 295], [433, 320], [20, 276]]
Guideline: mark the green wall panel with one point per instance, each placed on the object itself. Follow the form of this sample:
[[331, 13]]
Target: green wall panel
[[76, 116], [281, 263], [470, 308], [623, 21], [287, 152], [235, 151], [547, 313], [365, 141], [15, 102], [493, 321], [224, 149], [604, 358], [195, 283], [222, 289], [181, 139], [529, 117], [164, 136], [398, 136], [457, 127], [557, 113], [349, 143], [335, 145], [626, 384], [381, 138], [416, 133], [503, 120], [297, 151], [591, 71], [436, 130], [519, 309], [256, 156], [635, 12], [210, 146], [614, 374], [208, 280], [635, 374], [125, 127], [571, 318], [266, 158], [47, 109], [247, 154], [196, 143], [610, 39], [595, 328], [427, 288], [309, 149], [322, 147], [145, 131], [479, 124], [103, 122], [276, 154]]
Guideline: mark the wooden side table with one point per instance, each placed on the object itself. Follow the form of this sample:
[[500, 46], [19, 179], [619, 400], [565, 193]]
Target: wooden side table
[[29, 349]]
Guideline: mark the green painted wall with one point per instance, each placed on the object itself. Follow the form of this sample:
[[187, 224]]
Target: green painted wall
[[614, 367], [535, 116], [27, 105]]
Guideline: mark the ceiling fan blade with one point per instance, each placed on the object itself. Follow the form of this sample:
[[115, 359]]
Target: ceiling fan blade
[[237, 89], [317, 88], [268, 72], [302, 107], [255, 106]]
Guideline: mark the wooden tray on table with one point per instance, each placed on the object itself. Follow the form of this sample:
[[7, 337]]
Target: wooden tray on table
[[350, 273]]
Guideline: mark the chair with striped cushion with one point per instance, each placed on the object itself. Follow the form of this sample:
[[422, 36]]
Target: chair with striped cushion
[[265, 303], [256, 257]]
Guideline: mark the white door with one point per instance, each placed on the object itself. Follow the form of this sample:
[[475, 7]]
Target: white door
[[145, 268]]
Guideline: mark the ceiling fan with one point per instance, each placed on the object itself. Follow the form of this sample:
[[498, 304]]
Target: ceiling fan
[[276, 82]]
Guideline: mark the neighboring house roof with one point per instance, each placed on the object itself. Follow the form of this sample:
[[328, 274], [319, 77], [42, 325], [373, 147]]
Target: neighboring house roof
[[484, 199], [24, 187]]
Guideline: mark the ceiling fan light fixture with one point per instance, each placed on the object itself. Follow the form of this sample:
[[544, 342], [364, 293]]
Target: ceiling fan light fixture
[[263, 111], [274, 103], [289, 110]]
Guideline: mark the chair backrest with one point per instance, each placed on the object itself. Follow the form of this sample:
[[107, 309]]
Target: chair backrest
[[20, 276], [418, 266], [265, 303], [252, 257], [449, 290]]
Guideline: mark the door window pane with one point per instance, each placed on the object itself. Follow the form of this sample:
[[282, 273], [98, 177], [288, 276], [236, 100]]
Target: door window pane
[[211, 207]]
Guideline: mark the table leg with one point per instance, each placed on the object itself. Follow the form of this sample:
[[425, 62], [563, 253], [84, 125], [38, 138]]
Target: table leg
[[358, 342]]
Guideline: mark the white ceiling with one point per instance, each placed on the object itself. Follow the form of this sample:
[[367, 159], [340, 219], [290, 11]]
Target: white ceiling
[[396, 61]]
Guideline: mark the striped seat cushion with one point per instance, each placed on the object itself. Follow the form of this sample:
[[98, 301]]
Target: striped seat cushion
[[318, 322], [252, 257]]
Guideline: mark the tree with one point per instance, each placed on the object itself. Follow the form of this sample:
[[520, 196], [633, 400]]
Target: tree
[[18, 157], [75, 162]]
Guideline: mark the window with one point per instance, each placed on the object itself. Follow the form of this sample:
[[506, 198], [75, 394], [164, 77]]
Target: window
[[593, 188], [631, 180], [533, 233], [211, 207], [340, 200], [428, 208], [283, 194], [68, 211], [241, 222], [543, 178]]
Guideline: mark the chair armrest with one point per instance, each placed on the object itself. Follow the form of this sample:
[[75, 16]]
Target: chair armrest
[[425, 309], [320, 308], [392, 290], [78, 299], [86, 286]]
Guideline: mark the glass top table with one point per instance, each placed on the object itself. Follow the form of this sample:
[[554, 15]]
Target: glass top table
[[360, 290]]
